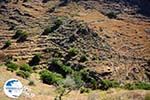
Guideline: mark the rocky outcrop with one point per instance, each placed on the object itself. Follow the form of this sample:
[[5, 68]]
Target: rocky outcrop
[[128, 6]]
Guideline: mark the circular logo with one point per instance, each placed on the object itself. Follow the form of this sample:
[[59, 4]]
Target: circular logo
[[13, 88]]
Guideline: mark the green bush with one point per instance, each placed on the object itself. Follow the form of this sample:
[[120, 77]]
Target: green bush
[[84, 90], [12, 66], [23, 37], [83, 58], [129, 86], [106, 84], [140, 85], [59, 67], [26, 67], [20, 35], [50, 77], [8, 59], [56, 62], [23, 74], [47, 31], [78, 79], [111, 15], [72, 52], [89, 80], [143, 85], [58, 22], [51, 29], [7, 44], [35, 60]]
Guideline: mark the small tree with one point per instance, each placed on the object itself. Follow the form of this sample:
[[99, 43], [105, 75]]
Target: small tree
[[11, 66], [7, 44], [20, 35], [72, 52], [83, 58], [23, 74], [49, 77], [111, 15], [52, 28], [35, 60], [66, 87], [26, 67]]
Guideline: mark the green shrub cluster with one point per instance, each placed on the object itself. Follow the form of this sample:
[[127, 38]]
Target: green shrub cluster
[[26, 67], [111, 15], [83, 58], [7, 44], [106, 84], [72, 52], [35, 60], [25, 71], [84, 90], [49, 77], [140, 85], [59, 67], [51, 29], [23, 74], [12, 66], [20, 35]]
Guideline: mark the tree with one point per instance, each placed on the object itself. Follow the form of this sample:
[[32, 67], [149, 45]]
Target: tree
[[66, 87]]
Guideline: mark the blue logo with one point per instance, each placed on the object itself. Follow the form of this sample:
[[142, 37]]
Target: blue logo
[[13, 88]]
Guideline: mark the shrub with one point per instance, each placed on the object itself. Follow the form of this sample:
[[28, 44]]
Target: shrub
[[12, 66], [78, 79], [140, 85], [65, 87], [31, 83], [129, 86], [106, 84], [50, 77], [111, 15], [72, 52], [23, 74], [51, 29], [59, 67], [89, 79], [20, 35], [83, 58], [7, 44], [58, 22], [47, 31], [69, 82], [84, 90], [35, 60], [143, 85], [26, 67], [8, 59], [23, 37]]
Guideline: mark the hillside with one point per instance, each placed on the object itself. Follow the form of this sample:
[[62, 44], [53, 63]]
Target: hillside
[[110, 40]]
